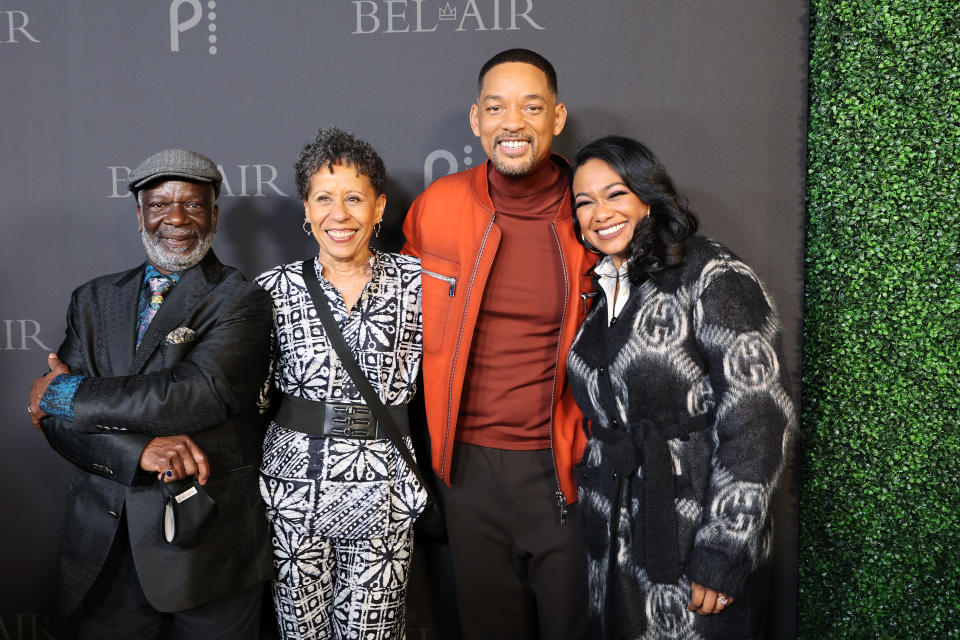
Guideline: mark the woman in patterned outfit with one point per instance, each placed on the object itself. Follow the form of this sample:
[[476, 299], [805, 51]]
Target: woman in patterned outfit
[[676, 368], [342, 508]]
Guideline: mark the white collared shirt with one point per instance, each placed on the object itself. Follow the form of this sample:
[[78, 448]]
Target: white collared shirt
[[608, 280]]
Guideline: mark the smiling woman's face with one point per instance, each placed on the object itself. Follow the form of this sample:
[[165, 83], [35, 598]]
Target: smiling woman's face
[[342, 208], [607, 210]]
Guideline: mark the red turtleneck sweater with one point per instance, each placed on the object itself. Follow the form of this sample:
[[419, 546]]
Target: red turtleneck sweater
[[509, 379]]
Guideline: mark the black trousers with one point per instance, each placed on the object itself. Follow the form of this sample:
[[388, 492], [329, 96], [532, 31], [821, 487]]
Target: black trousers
[[116, 608], [519, 573]]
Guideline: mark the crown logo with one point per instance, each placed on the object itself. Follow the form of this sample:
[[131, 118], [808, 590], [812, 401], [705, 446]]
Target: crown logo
[[448, 13]]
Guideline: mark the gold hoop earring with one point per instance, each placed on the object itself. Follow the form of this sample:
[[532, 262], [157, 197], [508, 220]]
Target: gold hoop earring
[[376, 229], [589, 247]]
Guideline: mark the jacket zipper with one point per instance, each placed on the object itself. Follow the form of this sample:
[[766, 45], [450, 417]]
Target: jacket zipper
[[561, 499], [439, 276], [456, 353]]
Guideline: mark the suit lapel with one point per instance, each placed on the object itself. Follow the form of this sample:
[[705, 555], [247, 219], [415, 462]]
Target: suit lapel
[[118, 312], [194, 285]]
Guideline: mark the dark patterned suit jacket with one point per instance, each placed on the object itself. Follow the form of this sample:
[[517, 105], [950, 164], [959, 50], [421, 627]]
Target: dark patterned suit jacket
[[203, 382]]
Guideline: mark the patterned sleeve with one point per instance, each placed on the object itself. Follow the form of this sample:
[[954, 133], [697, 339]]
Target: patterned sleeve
[[738, 333], [268, 400], [57, 400], [409, 346]]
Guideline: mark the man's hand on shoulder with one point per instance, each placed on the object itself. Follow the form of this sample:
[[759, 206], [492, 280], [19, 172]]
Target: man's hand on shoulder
[[175, 458], [40, 385]]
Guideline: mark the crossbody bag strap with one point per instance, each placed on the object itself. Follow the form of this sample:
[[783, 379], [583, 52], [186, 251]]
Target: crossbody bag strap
[[349, 363]]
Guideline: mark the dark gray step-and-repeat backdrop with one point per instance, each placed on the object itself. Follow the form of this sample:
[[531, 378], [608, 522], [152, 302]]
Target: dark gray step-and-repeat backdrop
[[89, 89]]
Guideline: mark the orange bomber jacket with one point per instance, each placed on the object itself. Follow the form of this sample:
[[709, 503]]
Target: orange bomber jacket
[[451, 227]]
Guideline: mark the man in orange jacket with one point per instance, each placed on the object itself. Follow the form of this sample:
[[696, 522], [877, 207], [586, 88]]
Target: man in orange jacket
[[504, 280]]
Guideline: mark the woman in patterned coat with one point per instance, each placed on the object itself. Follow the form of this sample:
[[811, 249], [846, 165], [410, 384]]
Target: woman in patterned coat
[[341, 501], [677, 370]]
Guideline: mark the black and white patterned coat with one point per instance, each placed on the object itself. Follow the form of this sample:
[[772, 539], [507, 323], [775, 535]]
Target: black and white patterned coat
[[690, 419], [346, 488]]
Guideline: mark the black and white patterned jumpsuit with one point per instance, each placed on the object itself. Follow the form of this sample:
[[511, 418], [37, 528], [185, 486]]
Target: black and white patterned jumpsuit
[[342, 509]]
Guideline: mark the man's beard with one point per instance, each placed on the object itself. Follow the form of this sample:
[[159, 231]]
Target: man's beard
[[515, 167], [167, 260]]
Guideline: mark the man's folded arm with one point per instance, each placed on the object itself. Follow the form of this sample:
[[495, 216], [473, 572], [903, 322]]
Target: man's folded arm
[[113, 456], [96, 450], [221, 374]]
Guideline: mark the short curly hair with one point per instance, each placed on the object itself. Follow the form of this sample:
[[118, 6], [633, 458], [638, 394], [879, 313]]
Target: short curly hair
[[334, 146]]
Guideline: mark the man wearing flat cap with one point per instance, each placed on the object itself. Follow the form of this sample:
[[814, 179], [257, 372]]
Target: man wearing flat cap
[[154, 388]]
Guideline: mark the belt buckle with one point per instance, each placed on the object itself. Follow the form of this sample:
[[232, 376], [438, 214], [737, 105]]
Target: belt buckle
[[345, 416]]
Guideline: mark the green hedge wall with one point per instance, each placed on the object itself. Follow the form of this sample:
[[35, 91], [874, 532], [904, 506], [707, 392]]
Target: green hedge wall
[[880, 493]]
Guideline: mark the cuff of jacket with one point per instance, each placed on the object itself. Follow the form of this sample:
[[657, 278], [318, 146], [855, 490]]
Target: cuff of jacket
[[717, 571], [58, 399]]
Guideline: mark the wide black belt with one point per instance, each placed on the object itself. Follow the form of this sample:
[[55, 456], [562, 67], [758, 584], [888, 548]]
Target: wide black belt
[[319, 418]]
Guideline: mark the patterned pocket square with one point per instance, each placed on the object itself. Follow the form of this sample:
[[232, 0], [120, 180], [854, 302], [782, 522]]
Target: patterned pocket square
[[181, 335]]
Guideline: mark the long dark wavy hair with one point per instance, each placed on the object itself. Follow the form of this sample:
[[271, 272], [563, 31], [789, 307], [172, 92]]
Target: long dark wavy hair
[[658, 239]]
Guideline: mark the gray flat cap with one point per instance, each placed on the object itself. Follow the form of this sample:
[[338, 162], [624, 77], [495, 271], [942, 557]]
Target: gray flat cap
[[175, 163]]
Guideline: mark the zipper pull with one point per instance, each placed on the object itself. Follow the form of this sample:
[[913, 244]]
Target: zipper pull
[[562, 504], [586, 297], [453, 287]]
